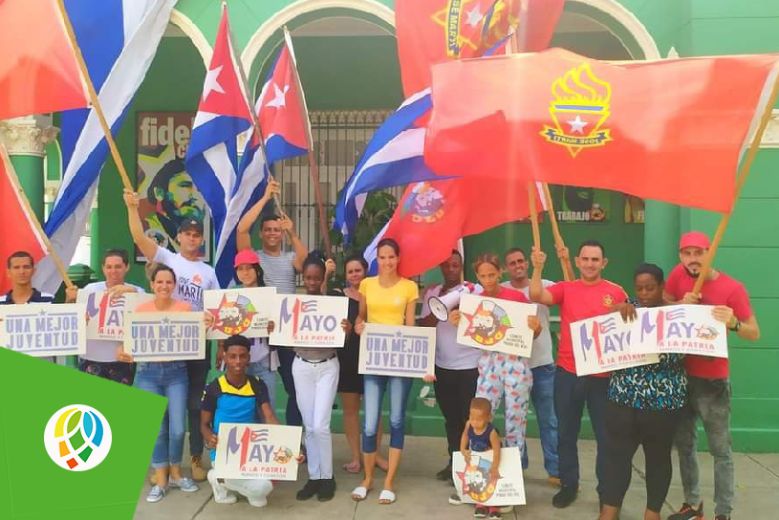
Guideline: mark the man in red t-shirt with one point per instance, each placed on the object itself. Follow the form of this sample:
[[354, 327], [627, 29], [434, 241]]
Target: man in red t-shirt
[[586, 297], [708, 387]]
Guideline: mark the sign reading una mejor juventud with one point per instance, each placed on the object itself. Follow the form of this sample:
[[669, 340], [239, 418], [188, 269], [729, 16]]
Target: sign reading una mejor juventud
[[43, 329], [165, 336], [389, 350]]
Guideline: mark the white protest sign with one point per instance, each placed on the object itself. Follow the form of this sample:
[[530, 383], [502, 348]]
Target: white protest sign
[[257, 451], [302, 320], [606, 343], [44, 329], [680, 329], [165, 336], [495, 324], [105, 315], [239, 311], [474, 485], [396, 350]]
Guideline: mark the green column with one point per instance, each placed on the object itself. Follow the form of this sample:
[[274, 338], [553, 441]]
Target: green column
[[25, 139], [661, 234], [29, 170]]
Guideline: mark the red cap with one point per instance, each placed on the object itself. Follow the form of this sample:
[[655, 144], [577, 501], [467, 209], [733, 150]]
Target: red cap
[[247, 256], [694, 239]]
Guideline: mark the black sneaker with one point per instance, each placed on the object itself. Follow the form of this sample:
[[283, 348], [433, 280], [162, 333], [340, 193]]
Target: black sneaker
[[326, 490], [310, 489], [565, 496], [445, 474], [687, 512], [494, 514], [455, 500], [480, 512]]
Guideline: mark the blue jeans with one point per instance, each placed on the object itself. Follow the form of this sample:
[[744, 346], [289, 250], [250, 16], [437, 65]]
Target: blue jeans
[[399, 388], [168, 379], [570, 395], [542, 395], [262, 370]]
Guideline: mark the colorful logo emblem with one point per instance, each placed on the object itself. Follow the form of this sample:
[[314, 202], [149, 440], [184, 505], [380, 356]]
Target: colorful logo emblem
[[580, 107], [488, 324], [470, 26], [476, 480], [77, 437], [425, 204], [233, 316]]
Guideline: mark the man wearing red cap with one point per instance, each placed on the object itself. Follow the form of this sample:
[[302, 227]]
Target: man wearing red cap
[[708, 385]]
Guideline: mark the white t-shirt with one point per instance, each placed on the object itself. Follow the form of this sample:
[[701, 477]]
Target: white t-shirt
[[192, 277], [542, 345], [103, 351], [448, 353]]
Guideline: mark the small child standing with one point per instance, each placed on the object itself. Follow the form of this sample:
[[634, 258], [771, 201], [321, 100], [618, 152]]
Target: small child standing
[[480, 436]]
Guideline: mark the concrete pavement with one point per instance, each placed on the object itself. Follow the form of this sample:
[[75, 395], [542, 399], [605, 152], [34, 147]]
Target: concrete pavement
[[421, 496]]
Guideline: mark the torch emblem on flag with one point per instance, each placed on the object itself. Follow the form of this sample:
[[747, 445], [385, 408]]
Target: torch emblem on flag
[[580, 107]]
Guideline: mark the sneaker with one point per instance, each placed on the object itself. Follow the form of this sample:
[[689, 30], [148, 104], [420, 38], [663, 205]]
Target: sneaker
[[445, 474], [480, 512], [326, 490], [187, 485], [222, 495], [506, 509], [455, 500], [156, 493], [494, 514], [565, 496], [309, 490], [199, 473], [687, 512]]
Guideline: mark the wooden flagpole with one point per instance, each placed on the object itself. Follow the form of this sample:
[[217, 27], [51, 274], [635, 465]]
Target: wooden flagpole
[[313, 163], [515, 45], [93, 97], [252, 114], [11, 172], [741, 178]]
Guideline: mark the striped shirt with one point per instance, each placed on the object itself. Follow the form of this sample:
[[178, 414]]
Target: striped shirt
[[279, 271]]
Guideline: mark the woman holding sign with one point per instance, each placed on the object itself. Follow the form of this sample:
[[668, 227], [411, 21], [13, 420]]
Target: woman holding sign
[[387, 299], [503, 376], [264, 361], [315, 371], [644, 408], [168, 379]]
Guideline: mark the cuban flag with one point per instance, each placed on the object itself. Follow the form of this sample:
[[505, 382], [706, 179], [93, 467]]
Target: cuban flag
[[118, 39], [282, 110], [394, 156], [223, 114]]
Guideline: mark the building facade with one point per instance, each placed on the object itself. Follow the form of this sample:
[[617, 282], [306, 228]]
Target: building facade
[[349, 69]]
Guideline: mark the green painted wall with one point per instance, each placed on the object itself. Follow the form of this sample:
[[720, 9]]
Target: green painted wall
[[750, 249]]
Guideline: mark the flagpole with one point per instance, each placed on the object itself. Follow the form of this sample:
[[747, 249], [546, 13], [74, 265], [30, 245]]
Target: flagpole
[[93, 97], [26, 203], [516, 44], [313, 164], [741, 178]]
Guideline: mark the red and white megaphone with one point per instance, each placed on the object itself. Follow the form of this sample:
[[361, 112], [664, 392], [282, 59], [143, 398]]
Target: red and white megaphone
[[441, 305]]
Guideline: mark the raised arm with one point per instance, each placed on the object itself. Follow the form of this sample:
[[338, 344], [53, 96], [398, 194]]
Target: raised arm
[[147, 246], [301, 251], [537, 292], [242, 238]]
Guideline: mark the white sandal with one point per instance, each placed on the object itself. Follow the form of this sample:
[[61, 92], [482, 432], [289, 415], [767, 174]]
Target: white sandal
[[359, 493], [387, 497]]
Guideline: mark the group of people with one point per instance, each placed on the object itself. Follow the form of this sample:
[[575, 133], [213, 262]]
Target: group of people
[[655, 406]]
